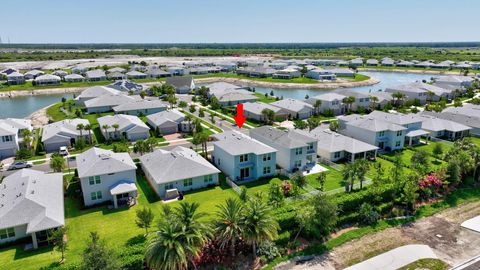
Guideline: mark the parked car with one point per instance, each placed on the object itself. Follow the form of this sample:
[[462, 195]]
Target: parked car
[[19, 165], [63, 151]]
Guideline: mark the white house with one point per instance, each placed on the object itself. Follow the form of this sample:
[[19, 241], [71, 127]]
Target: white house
[[129, 126], [295, 151], [15, 78], [468, 115], [31, 204], [328, 102], [94, 92], [106, 103], [95, 75], [321, 74], [181, 170], [296, 109], [107, 176], [47, 79], [63, 133], [183, 85], [169, 122], [141, 107], [74, 78], [11, 135], [229, 94], [444, 129], [253, 111]]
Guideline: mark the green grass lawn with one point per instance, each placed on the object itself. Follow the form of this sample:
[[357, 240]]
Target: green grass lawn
[[235, 76], [431, 145], [408, 154], [334, 179], [116, 227], [264, 99], [426, 264], [261, 185], [475, 140], [357, 78]]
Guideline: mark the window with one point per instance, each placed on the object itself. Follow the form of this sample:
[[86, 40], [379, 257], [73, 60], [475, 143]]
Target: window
[[91, 180], [267, 157], [336, 155], [298, 163], [381, 134], [7, 233], [397, 144], [7, 138], [360, 100], [208, 178], [187, 182], [244, 158], [267, 170], [96, 195], [298, 151], [399, 133], [168, 186], [97, 179], [309, 146]]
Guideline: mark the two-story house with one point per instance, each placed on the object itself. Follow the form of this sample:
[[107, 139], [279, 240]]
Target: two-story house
[[243, 158], [11, 135], [107, 176], [296, 151], [328, 102], [385, 135]]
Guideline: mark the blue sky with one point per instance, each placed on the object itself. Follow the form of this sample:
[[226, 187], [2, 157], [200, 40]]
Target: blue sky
[[183, 21]]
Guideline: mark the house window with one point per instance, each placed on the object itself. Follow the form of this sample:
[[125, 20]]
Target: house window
[[298, 151], [187, 182], [309, 146], [7, 233], [267, 170], [97, 179], [397, 144], [96, 195], [336, 155], [168, 186], [360, 100], [267, 157], [399, 133], [244, 158], [208, 178], [7, 138], [298, 163], [381, 134], [91, 180]]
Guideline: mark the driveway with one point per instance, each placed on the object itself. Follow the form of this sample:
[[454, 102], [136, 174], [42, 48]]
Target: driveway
[[395, 258]]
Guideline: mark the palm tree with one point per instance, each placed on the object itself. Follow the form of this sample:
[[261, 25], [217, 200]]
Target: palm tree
[[349, 101], [105, 129], [399, 97], [27, 138], [361, 168], [201, 138], [80, 128], [115, 127], [348, 174], [430, 95], [259, 224], [317, 105], [167, 248], [268, 115], [88, 128], [229, 223], [373, 102], [140, 147]]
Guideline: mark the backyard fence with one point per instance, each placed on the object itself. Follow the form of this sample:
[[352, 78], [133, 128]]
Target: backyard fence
[[235, 187]]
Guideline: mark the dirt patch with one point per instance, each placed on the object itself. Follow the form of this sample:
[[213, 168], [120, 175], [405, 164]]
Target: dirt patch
[[369, 246]]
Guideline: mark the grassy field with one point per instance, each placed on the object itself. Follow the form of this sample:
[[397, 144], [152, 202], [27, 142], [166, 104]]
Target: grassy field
[[334, 179], [235, 76], [408, 154], [426, 264], [264, 99]]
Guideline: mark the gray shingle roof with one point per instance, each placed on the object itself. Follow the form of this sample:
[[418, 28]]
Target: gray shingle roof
[[236, 143], [33, 198], [286, 138], [226, 92], [258, 107], [292, 105], [180, 163], [96, 73], [437, 124], [329, 97], [96, 91], [97, 161], [66, 128], [125, 122], [47, 77], [141, 104], [396, 118], [110, 100], [180, 82], [370, 123], [334, 142], [10, 126], [165, 116]]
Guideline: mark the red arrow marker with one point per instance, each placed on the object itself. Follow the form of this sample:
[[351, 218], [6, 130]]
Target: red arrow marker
[[240, 118]]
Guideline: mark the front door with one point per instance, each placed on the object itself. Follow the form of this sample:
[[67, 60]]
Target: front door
[[244, 173]]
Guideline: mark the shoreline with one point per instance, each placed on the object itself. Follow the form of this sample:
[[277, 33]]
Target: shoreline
[[413, 71], [39, 117], [41, 92]]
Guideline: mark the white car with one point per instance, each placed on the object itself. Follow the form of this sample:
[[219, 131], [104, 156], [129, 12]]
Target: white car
[[19, 165], [63, 151]]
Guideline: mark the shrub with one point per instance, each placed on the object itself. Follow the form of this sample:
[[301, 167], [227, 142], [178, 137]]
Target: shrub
[[268, 250], [367, 214], [24, 153]]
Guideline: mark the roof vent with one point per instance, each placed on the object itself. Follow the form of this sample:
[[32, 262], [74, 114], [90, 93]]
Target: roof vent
[[32, 192]]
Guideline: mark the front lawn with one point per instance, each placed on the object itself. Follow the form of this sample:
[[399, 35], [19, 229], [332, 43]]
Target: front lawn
[[264, 99]]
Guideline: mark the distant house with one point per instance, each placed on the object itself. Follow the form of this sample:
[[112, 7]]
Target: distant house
[[444, 129], [136, 75], [105, 103], [129, 127], [383, 98], [356, 62], [95, 75], [141, 107], [8, 71], [34, 73], [79, 70], [296, 151], [15, 78], [253, 110], [230, 94], [47, 79], [455, 82], [388, 62], [60, 73], [256, 71], [372, 62], [11, 135], [116, 76], [243, 158], [468, 115], [169, 122], [183, 85], [94, 92], [127, 86], [177, 71], [116, 69], [296, 109], [181, 170], [420, 91], [362, 100], [341, 72], [107, 176], [158, 73], [138, 67], [63, 133], [334, 146], [424, 64], [31, 204], [287, 73], [403, 63], [321, 74], [385, 135], [329, 102], [74, 78], [227, 66]]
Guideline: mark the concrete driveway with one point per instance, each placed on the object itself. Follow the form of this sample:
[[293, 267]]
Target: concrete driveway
[[396, 258]]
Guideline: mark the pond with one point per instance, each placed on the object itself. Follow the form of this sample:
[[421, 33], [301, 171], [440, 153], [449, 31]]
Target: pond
[[20, 107]]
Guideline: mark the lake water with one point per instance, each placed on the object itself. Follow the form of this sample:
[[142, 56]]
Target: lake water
[[23, 106], [387, 79]]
